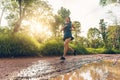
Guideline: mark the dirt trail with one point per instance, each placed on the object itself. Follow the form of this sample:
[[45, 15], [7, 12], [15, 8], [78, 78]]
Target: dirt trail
[[44, 68]]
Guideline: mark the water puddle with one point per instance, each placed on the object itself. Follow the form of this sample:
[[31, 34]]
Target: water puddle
[[44, 70], [104, 70]]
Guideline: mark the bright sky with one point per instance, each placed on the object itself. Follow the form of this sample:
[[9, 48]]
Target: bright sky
[[85, 11], [88, 12]]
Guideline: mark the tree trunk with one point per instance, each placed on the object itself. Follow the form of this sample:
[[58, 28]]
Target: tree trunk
[[2, 15], [18, 23], [17, 26]]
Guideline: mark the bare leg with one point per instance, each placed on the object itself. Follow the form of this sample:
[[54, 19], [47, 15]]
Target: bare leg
[[71, 49], [66, 47]]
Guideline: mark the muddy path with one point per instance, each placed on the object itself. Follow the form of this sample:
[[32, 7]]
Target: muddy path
[[45, 68]]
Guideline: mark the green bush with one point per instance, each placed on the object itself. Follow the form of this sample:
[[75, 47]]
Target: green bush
[[116, 51], [102, 51], [52, 48], [21, 45], [18, 45], [80, 49], [95, 51], [55, 47], [109, 51]]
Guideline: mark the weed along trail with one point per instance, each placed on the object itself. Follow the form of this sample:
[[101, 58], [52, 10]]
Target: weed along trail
[[50, 68]]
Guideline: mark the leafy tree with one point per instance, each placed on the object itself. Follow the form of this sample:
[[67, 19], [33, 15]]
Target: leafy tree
[[77, 26], [103, 31], [28, 10], [106, 2], [93, 33], [93, 36], [83, 41], [63, 12], [4, 6], [59, 20], [114, 36], [5, 30], [20, 8], [55, 25]]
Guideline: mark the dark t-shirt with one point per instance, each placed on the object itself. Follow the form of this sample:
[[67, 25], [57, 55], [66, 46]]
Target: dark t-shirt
[[67, 30]]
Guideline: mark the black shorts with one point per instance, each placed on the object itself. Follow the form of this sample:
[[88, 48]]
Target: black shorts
[[67, 38]]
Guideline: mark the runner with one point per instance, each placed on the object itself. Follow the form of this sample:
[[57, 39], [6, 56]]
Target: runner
[[67, 37]]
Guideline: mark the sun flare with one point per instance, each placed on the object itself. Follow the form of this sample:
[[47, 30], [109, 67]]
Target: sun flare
[[39, 30]]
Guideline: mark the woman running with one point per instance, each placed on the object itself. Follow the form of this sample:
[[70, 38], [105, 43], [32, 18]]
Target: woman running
[[67, 37]]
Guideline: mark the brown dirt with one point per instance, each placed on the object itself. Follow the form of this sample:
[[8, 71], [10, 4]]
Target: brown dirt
[[11, 66]]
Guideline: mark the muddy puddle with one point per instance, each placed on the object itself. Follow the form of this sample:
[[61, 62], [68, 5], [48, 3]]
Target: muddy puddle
[[104, 70]]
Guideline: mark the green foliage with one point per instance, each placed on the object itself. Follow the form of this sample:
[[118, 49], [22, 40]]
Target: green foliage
[[95, 51], [77, 31], [80, 49], [58, 20], [114, 36], [103, 31], [83, 41], [102, 51], [21, 45], [106, 2], [109, 51], [52, 48], [22, 10], [94, 38], [103, 2], [93, 33], [116, 51], [18, 45], [63, 12], [25, 45], [56, 24]]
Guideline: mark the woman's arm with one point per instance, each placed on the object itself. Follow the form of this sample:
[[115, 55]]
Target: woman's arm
[[62, 28], [73, 28]]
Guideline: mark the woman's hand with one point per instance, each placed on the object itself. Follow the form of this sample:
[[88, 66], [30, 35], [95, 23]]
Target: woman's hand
[[73, 28], [62, 29]]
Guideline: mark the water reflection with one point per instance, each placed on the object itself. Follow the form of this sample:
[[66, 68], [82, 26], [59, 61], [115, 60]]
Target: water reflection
[[104, 70]]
